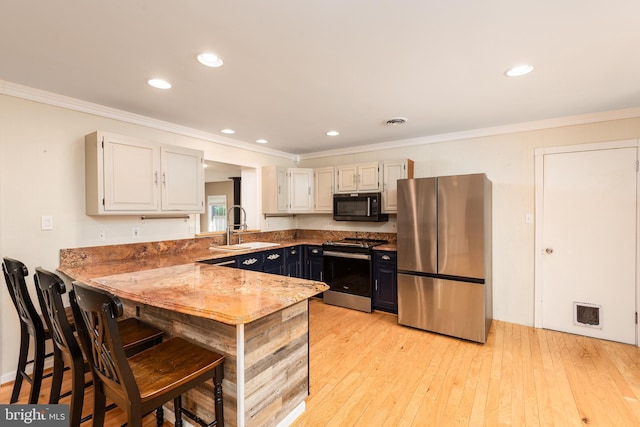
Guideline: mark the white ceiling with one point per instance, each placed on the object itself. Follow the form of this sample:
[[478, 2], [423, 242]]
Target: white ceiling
[[294, 69]]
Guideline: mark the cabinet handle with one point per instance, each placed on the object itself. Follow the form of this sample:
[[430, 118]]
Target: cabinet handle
[[321, 278], [315, 251], [250, 261], [273, 256], [164, 178], [386, 257], [293, 252], [376, 284], [155, 178]]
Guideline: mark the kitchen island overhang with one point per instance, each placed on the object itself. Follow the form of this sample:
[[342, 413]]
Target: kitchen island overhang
[[258, 321]]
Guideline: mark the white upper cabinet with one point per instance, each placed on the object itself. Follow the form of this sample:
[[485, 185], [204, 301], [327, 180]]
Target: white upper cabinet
[[301, 189], [130, 176], [182, 179], [323, 188], [392, 171], [287, 189], [358, 177]]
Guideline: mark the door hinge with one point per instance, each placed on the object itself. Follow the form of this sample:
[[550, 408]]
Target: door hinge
[[636, 317], [103, 142], [103, 201]]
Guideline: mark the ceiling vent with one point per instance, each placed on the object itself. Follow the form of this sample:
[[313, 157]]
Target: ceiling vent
[[396, 121]]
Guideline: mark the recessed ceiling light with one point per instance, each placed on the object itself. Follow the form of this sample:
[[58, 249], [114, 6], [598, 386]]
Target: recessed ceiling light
[[210, 59], [261, 141], [228, 131], [159, 83], [397, 121], [519, 70], [333, 133]]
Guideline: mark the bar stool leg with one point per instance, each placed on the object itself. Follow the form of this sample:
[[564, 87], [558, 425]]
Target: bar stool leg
[[177, 409], [56, 379], [38, 369], [159, 416], [217, 389], [22, 363], [77, 393], [99, 403]]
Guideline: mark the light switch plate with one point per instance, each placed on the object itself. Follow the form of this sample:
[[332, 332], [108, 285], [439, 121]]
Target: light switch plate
[[46, 222]]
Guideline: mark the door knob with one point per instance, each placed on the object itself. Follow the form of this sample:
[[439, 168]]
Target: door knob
[[549, 251]]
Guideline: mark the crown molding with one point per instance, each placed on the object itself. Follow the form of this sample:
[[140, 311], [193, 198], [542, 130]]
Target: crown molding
[[627, 113], [44, 97], [49, 98]]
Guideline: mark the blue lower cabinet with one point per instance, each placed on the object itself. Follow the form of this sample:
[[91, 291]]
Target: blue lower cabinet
[[273, 261], [293, 262], [253, 262], [385, 281], [314, 262]]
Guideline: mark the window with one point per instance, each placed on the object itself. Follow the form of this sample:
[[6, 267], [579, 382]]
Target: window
[[217, 212]]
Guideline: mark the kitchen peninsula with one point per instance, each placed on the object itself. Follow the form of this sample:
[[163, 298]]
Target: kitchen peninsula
[[258, 321]]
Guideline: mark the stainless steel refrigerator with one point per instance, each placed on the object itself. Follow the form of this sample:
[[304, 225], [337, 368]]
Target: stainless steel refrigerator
[[444, 255]]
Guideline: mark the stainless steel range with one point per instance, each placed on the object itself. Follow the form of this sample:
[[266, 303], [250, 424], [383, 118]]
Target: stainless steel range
[[347, 271]]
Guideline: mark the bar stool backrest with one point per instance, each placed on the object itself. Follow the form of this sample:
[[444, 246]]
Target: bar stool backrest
[[99, 333], [50, 289], [15, 272]]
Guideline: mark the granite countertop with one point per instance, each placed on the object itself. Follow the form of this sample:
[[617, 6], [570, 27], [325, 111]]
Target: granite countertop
[[177, 281], [223, 294]]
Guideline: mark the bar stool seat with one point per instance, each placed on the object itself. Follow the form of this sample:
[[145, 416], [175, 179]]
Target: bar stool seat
[[137, 336], [147, 380], [31, 325]]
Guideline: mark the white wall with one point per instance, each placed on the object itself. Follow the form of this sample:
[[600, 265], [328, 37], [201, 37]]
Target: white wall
[[42, 173], [508, 160]]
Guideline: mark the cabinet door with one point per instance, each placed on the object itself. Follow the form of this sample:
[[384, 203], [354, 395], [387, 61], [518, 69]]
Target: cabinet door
[[131, 174], [301, 189], [391, 173], [323, 189], [385, 287], [293, 262], [182, 179], [346, 178], [275, 195], [250, 262], [369, 177], [273, 261], [314, 263]]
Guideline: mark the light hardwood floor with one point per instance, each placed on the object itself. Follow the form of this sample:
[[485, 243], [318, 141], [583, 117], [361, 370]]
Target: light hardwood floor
[[366, 370]]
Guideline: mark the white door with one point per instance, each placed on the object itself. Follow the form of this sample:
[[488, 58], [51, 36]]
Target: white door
[[182, 179], [589, 243], [300, 189]]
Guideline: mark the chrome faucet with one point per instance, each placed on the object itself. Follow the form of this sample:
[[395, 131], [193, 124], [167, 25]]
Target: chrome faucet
[[231, 225]]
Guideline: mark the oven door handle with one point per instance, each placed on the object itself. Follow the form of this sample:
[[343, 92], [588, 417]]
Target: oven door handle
[[346, 255]]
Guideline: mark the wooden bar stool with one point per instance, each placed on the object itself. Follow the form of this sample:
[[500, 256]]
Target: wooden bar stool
[[136, 336], [148, 379], [31, 325]]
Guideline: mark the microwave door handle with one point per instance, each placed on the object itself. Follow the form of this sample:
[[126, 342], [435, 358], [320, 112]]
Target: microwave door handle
[[368, 206]]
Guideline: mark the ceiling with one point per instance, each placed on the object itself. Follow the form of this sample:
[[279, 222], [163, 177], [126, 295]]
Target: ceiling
[[294, 69]]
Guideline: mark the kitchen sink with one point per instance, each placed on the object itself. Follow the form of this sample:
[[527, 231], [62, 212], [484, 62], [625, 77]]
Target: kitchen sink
[[244, 246]]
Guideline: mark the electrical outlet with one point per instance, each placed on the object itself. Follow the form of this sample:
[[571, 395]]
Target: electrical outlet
[[102, 235], [135, 232]]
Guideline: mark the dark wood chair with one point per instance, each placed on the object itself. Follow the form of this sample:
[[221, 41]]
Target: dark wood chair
[[31, 325], [136, 336], [150, 378]]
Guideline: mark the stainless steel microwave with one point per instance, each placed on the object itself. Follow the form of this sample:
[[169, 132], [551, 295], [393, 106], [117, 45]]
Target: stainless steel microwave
[[358, 207]]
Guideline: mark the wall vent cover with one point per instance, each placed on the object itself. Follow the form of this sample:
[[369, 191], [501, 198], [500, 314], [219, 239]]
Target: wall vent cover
[[588, 315]]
